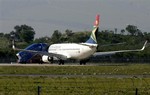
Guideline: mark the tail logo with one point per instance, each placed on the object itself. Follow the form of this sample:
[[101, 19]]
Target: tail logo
[[93, 36]]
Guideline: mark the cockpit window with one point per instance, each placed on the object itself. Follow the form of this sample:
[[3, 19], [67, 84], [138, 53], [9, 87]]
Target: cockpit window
[[44, 47]]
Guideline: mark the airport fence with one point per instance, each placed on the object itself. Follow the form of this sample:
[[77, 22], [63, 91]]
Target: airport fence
[[75, 87], [71, 90]]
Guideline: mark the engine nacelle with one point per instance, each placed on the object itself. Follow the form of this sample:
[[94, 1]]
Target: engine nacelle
[[46, 58]]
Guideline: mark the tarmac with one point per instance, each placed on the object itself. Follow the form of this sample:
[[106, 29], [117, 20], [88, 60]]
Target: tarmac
[[37, 64]]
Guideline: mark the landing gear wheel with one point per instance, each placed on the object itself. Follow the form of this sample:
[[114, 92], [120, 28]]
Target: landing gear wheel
[[61, 62], [51, 60], [82, 62]]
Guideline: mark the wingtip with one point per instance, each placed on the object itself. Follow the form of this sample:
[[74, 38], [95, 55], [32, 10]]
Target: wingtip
[[13, 47], [144, 45]]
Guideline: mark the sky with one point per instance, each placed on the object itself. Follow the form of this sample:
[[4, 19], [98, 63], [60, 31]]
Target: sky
[[45, 16]]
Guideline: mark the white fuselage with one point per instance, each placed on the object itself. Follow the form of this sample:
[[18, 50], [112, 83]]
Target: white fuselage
[[73, 50]]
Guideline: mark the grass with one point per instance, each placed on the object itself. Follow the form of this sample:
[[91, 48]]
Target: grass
[[75, 85], [139, 69]]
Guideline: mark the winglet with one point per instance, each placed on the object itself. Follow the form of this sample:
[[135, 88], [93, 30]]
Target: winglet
[[13, 45], [144, 46]]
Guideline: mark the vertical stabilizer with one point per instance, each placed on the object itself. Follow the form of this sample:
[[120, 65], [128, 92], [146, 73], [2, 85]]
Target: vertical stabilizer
[[96, 24], [93, 37]]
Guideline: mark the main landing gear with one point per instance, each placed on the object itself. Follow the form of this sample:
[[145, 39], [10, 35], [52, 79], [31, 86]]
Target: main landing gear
[[83, 62], [61, 62]]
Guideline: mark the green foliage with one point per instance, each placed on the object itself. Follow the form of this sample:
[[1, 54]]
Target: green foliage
[[4, 43], [24, 33], [56, 37], [126, 69], [133, 30], [43, 40], [79, 37]]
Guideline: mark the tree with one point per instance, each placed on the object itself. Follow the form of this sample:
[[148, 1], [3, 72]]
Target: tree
[[56, 36], [24, 33], [116, 30], [1, 34], [69, 32], [132, 29], [122, 31], [147, 36], [42, 40]]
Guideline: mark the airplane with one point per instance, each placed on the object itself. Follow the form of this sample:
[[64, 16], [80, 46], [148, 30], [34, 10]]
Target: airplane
[[62, 51]]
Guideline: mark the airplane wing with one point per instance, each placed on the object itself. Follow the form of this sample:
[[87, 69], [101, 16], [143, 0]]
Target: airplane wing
[[114, 52], [42, 53], [112, 44], [95, 45]]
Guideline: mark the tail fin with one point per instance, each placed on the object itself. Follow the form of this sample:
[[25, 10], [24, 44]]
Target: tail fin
[[93, 37]]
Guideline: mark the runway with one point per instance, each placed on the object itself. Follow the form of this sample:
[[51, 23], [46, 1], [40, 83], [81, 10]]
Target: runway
[[18, 64], [55, 64], [45, 65]]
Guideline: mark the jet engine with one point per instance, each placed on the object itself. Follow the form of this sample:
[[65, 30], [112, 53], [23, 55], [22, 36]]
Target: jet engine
[[46, 58]]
